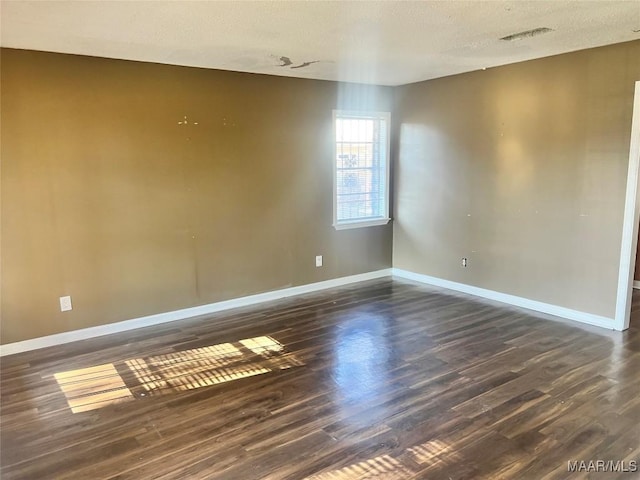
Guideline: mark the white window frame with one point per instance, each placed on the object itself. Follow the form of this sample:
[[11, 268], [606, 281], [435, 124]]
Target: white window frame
[[366, 222]]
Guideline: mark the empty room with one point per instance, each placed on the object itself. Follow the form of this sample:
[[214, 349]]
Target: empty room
[[319, 240]]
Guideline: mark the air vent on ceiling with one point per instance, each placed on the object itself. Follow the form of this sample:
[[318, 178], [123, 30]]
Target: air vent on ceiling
[[527, 34]]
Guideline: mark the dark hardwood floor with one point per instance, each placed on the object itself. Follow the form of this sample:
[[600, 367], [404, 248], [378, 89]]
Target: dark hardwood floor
[[383, 379]]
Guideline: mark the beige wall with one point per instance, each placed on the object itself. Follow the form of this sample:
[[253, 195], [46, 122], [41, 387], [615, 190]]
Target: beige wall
[[522, 169], [107, 199], [636, 275]]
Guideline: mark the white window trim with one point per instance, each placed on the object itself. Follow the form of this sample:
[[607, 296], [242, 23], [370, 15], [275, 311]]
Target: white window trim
[[361, 223], [364, 222]]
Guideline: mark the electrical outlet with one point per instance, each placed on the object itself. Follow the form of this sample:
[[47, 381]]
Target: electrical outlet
[[464, 261], [65, 304], [318, 260]]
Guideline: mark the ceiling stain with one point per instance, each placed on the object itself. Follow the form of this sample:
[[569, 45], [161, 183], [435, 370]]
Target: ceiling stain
[[286, 62], [305, 64], [527, 34]]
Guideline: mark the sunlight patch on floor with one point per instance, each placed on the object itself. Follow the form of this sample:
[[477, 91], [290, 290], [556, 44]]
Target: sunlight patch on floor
[[382, 467], [94, 387], [387, 467], [102, 385], [431, 453]]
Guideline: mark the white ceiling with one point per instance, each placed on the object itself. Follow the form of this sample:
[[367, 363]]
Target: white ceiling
[[384, 42]]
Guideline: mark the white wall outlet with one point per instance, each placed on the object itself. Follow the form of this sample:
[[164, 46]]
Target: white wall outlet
[[65, 304], [318, 260], [464, 261]]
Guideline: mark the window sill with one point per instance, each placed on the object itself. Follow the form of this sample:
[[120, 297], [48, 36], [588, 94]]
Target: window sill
[[361, 223]]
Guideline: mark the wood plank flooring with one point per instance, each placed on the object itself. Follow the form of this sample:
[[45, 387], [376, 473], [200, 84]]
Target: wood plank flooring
[[384, 379]]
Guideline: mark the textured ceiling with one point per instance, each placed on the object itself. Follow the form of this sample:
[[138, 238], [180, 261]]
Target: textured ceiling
[[387, 42]]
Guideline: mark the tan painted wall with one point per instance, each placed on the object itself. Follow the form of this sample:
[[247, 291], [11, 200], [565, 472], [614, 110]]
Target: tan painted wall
[[636, 275], [522, 169], [107, 199]]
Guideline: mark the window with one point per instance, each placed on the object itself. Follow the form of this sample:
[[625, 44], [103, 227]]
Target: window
[[361, 169]]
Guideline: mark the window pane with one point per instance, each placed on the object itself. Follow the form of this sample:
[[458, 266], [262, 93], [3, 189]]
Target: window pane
[[361, 167]]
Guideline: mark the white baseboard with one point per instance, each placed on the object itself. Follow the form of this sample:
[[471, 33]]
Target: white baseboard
[[91, 332], [636, 284], [556, 310], [85, 333]]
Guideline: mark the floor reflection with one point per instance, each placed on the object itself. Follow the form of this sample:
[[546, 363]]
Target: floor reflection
[[362, 358], [102, 385]]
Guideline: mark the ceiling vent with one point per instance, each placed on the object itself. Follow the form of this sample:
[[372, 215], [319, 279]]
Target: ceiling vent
[[529, 33]]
